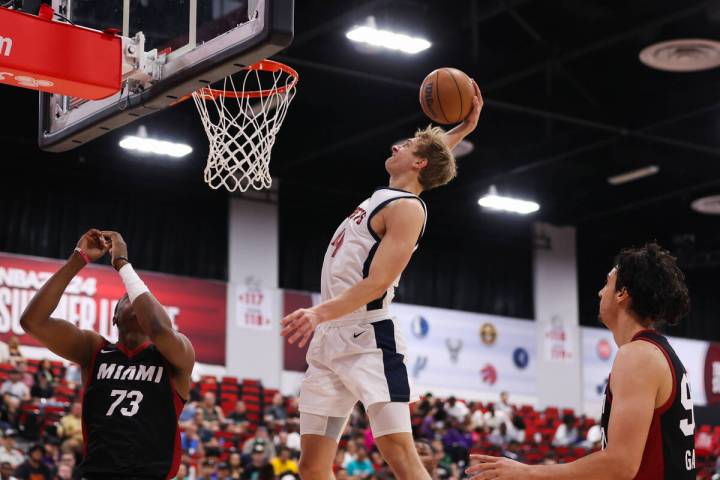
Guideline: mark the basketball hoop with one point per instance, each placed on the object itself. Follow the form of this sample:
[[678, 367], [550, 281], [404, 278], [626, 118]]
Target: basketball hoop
[[241, 121]]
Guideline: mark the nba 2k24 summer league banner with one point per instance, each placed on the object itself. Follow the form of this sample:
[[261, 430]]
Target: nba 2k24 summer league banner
[[196, 307], [701, 360]]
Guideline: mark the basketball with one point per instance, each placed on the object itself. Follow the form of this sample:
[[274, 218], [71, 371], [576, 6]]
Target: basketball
[[446, 95]]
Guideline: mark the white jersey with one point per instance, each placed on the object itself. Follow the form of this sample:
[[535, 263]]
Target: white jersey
[[351, 251]]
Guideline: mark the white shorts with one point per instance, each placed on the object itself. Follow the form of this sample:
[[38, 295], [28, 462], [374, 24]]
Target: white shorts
[[351, 360]]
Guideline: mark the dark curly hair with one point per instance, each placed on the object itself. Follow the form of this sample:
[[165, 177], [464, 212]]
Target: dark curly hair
[[658, 294]]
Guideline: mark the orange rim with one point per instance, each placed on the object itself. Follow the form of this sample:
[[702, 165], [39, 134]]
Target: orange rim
[[208, 93]]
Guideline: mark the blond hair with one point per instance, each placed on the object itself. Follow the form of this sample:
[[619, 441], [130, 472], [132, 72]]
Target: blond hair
[[441, 167]]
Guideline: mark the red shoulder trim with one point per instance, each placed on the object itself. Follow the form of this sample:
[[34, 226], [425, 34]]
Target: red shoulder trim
[[131, 353]]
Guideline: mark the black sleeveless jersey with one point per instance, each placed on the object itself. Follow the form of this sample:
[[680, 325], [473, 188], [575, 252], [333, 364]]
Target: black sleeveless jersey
[[670, 447], [130, 415]]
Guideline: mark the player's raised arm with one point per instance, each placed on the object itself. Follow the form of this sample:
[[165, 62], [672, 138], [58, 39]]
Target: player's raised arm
[[404, 220], [634, 398], [455, 136], [152, 317], [61, 337]]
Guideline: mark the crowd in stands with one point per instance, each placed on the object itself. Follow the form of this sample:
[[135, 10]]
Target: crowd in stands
[[234, 429]]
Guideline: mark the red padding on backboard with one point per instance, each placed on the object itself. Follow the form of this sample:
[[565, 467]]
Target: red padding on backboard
[[58, 57]]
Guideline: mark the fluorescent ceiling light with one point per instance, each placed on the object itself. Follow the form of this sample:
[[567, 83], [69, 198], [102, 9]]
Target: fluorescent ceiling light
[[159, 147], [633, 175], [494, 201], [387, 39]]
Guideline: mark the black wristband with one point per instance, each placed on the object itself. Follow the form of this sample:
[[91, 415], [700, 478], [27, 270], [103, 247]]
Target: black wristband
[[119, 258]]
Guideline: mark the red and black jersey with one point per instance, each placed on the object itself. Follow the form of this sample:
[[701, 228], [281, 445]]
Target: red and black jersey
[[130, 415], [670, 447]]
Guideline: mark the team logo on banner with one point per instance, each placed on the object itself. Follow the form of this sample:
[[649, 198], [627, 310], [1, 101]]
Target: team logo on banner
[[420, 326], [604, 350], [488, 334], [420, 364], [521, 358], [712, 374], [454, 346], [488, 374]]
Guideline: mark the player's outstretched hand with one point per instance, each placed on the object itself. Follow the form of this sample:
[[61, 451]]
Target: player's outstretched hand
[[471, 121], [485, 467], [117, 245], [300, 325], [93, 244]]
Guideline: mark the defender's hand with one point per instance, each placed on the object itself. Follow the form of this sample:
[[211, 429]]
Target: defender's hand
[[300, 325], [118, 247], [485, 467], [93, 244]]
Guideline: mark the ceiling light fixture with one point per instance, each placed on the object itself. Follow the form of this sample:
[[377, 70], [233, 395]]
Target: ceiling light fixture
[[493, 201], [141, 143], [387, 39], [633, 175]]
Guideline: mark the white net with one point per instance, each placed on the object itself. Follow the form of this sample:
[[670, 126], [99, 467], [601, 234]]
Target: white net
[[242, 125]]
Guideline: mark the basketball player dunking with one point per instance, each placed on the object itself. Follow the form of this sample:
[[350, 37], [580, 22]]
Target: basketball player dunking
[[357, 352], [135, 389], [648, 425]]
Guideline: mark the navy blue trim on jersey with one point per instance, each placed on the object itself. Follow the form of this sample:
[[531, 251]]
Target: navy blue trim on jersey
[[377, 303], [395, 371]]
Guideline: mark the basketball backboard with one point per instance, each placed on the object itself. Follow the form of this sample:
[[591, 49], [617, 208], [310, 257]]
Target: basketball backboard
[[187, 44]]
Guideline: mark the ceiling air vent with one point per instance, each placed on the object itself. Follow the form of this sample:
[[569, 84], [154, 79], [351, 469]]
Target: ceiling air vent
[[682, 55], [707, 205]]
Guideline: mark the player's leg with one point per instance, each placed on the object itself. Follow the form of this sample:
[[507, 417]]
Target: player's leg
[[318, 444], [325, 406], [390, 423]]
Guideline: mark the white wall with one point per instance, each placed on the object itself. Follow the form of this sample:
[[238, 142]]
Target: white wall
[[559, 380], [254, 351]]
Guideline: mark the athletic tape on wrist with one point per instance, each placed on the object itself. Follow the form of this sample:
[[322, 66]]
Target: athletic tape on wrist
[[133, 283], [84, 255]]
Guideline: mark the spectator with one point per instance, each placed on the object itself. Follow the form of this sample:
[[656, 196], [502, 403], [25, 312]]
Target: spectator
[[235, 462], [223, 471], [504, 405], [207, 471], [42, 388], [14, 350], [500, 436], [283, 464], [70, 429], [277, 410], [21, 366], [427, 456], [239, 414], [566, 433], [73, 376], [361, 467], [493, 418], [262, 438], [45, 370], [212, 414], [33, 468], [9, 453], [68, 459], [593, 438], [14, 391], [6, 471], [258, 468], [457, 410], [64, 472], [477, 419], [188, 413], [189, 440]]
